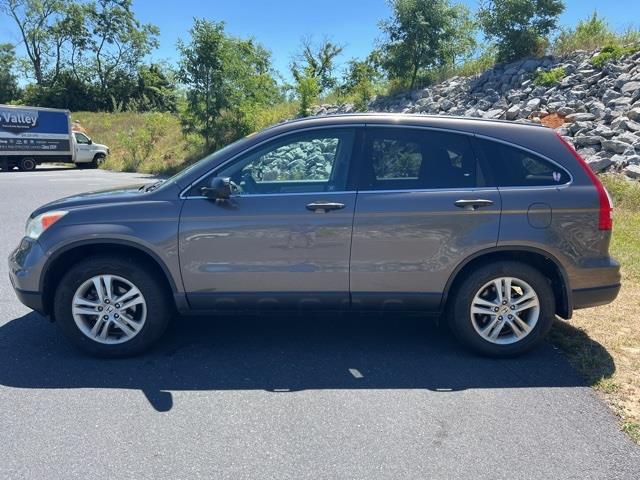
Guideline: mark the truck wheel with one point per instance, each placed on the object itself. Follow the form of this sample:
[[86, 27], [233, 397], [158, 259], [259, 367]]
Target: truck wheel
[[99, 159], [27, 164], [110, 306], [502, 309]]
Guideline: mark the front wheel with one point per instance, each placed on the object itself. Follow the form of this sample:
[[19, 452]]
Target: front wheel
[[111, 307], [502, 309]]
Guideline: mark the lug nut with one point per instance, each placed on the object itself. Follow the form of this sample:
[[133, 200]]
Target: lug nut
[[510, 316], [116, 316], [105, 317], [496, 309], [513, 307], [99, 309], [504, 302], [117, 305], [107, 301], [500, 317]]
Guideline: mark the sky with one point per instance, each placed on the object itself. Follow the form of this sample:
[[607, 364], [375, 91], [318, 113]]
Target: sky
[[280, 24]]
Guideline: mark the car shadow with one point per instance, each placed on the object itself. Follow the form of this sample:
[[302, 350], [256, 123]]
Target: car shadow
[[286, 353]]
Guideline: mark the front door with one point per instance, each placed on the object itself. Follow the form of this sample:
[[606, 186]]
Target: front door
[[421, 211], [84, 152], [284, 237]]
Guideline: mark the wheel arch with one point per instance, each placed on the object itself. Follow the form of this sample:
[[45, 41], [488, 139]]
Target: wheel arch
[[62, 260], [547, 264]]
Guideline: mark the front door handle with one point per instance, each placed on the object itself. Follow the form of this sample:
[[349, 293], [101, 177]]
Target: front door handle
[[473, 204], [324, 207]]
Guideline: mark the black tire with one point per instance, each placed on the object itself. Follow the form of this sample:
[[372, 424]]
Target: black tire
[[27, 164], [158, 309], [459, 311], [98, 160]]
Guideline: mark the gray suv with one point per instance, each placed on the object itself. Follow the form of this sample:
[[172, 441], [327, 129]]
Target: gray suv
[[495, 226]]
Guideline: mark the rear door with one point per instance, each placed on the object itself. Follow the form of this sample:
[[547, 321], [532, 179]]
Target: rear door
[[422, 209]]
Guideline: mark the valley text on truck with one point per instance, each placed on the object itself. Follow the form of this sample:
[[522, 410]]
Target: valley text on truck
[[31, 135]]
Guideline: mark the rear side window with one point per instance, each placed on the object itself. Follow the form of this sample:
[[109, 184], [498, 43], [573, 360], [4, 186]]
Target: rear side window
[[403, 159], [513, 167]]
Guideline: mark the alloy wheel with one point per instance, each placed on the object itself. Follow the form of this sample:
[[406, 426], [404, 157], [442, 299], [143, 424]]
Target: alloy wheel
[[109, 309]]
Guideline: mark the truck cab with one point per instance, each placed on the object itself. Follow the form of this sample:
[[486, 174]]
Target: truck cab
[[88, 154]]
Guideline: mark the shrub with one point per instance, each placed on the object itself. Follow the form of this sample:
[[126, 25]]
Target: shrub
[[140, 143], [550, 77], [589, 34], [308, 89], [612, 52]]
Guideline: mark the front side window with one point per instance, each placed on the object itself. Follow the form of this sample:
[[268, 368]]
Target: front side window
[[513, 167], [314, 161], [417, 159], [82, 139]]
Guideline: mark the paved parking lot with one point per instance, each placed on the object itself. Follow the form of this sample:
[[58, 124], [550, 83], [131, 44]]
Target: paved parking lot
[[315, 396]]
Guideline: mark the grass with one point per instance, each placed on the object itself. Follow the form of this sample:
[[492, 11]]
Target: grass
[[167, 150], [549, 78], [612, 52], [603, 343]]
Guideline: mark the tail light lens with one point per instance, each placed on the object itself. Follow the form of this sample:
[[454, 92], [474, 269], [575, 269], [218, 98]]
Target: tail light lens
[[605, 219]]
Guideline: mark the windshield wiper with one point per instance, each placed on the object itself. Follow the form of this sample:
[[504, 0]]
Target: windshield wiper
[[153, 186]]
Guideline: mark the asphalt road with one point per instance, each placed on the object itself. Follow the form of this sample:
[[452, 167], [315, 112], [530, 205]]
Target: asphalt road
[[360, 397]]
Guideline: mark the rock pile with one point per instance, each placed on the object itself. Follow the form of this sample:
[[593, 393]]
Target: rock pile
[[597, 109]]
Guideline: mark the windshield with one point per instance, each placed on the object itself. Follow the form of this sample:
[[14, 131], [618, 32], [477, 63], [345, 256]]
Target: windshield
[[209, 158]]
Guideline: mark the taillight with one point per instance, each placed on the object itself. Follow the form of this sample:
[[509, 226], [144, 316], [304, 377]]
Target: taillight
[[605, 218]]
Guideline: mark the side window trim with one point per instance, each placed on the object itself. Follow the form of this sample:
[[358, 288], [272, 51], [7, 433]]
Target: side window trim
[[188, 194], [489, 173]]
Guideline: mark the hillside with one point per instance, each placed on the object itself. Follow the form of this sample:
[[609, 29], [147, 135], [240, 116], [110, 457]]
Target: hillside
[[592, 98], [145, 142]]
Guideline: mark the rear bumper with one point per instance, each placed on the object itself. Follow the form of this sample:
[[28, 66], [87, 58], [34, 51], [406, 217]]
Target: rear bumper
[[592, 297]]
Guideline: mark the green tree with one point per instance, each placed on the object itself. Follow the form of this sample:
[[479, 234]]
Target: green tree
[[117, 44], [227, 79], [519, 27], [38, 24], [8, 81], [307, 90], [423, 35], [316, 61], [360, 79]]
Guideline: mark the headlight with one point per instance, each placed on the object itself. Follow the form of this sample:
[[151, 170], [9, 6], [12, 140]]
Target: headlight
[[35, 226]]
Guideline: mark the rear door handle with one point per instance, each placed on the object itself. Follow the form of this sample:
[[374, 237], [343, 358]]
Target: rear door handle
[[323, 207], [473, 204]]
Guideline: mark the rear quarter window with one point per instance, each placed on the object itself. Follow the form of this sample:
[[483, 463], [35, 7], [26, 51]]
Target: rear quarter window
[[514, 167]]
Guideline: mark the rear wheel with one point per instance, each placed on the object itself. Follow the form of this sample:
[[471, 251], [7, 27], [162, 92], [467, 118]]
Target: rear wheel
[[502, 309], [27, 164], [111, 307]]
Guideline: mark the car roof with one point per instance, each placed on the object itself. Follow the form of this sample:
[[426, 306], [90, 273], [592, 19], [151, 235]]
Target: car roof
[[400, 118]]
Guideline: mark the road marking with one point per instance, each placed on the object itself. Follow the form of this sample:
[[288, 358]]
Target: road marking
[[356, 373]]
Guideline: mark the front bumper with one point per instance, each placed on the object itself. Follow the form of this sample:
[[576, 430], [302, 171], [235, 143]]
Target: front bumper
[[24, 273]]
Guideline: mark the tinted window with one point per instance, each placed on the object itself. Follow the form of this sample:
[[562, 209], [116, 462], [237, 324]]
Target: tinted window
[[417, 159], [513, 167], [316, 161]]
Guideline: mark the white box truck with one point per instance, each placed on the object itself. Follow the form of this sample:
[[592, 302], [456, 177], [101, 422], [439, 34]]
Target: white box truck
[[32, 135]]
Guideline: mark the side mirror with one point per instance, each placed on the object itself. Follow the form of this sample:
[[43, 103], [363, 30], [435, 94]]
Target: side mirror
[[90, 142], [219, 189]]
